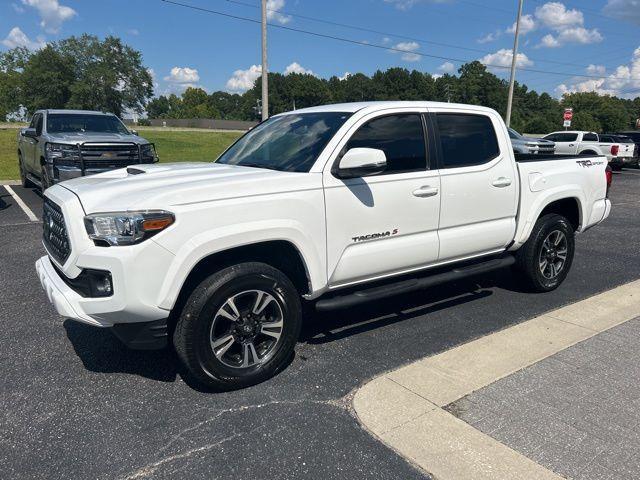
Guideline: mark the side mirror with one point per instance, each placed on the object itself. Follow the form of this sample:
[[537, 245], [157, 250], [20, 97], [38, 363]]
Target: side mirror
[[29, 132], [361, 162], [133, 132]]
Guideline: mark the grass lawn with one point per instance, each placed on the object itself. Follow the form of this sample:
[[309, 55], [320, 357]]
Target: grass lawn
[[172, 146]]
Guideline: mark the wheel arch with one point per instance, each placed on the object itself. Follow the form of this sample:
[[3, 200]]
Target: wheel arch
[[280, 254], [568, 207]]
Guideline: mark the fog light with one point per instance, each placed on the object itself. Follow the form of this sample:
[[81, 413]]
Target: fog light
[[100, 284], [103, 286]]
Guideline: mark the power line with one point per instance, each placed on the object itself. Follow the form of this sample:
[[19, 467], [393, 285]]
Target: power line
[[371, 45], [397, 35]]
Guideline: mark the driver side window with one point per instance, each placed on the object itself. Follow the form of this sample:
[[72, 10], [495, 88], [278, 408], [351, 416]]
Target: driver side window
[[399, 136]]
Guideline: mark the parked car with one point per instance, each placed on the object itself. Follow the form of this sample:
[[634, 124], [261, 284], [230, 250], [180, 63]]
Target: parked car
[[627, 156], [634, 135], [332, 206], [582, 143], [527, 145], [63, 144]]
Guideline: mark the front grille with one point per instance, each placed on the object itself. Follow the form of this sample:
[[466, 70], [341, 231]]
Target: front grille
[[54, 232], [107, 156]]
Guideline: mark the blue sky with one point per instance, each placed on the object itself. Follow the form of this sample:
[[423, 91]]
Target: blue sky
[[598, 39]]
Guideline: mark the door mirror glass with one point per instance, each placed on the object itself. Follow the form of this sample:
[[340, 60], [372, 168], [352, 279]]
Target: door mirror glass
[[30, 132], [361, 162]]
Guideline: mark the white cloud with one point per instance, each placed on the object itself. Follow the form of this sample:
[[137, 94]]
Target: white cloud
[[549, 41], [52, 14], [556, 16], [628, 10], [17, 38], [489, 37], [409, 48], [402, 4], [295, 67], [242, 80], [133, 31], [503, 58], [568, 26], [527, 25], [447, 67], [623, 82], [273, 12], [596, 69], [345, 76], [17, 8], [182, 78]]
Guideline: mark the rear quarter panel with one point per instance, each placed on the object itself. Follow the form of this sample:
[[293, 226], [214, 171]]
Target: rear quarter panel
[[544, 182]]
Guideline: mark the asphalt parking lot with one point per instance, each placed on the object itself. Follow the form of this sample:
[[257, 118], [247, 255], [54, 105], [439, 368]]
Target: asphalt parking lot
[[77, 404]]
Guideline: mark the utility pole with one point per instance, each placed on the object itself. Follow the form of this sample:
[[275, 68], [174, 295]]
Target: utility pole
[[265, 72], [512, 80]]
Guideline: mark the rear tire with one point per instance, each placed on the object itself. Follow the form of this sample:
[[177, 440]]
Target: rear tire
[[545, 259], [239, 326]]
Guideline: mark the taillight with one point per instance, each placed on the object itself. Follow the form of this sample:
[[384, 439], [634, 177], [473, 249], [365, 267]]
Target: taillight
[[614, 149], [609, 175]]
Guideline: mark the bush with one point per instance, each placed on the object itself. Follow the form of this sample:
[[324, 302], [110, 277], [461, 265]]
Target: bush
[[144, 122]]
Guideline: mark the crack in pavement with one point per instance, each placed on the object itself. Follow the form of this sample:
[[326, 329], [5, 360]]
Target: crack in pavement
[[342, 403]]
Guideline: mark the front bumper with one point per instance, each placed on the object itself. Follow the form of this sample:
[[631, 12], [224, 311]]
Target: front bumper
[[142, 334]]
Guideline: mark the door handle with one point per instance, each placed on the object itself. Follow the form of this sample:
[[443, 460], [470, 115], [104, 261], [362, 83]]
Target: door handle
[[571, 145], [425, 191], [501, 182]]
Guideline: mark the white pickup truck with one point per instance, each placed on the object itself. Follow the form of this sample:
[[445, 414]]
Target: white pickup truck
[[330, 206], [590, 143]]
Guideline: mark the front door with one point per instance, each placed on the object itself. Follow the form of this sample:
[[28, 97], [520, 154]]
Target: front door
[[566, 143], [479, 184], [387, 223]]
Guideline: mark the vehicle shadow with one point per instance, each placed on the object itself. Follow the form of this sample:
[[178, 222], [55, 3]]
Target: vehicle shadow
[[101, 352]]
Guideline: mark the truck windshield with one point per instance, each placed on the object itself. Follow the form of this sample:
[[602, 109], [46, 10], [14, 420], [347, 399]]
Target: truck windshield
[[289, 142], [79, 123]]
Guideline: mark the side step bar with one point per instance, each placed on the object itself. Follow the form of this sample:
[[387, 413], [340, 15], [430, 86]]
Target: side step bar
[[412, 285]]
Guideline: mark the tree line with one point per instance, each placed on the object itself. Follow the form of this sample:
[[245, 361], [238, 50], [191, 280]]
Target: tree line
[[89, 73]]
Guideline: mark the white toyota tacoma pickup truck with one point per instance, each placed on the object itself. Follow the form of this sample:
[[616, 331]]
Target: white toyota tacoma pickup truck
[[330, 206]]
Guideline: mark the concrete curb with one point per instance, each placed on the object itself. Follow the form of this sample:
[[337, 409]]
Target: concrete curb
[[403, 408], [9, 182]]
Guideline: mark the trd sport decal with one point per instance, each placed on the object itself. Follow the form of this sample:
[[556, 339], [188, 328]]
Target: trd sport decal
[[374, 236], [588, 163]]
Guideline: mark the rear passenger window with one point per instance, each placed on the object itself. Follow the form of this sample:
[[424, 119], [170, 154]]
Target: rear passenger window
[[590, 137], [400, 137], [466, 139], [566, 137]]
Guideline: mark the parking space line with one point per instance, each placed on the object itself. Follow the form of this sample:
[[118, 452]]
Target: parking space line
[[28, 212]]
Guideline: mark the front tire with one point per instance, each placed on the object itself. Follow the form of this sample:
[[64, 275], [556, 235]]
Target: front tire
[[545, 259], [239, 327], [44, 178]]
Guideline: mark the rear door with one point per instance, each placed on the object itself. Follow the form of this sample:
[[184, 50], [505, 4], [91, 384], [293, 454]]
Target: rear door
[[567, 143], [383, 224], [479, 183]]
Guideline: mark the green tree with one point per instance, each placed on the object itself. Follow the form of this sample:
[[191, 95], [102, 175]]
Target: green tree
[[12, 63], [109, 75], [46, 80]]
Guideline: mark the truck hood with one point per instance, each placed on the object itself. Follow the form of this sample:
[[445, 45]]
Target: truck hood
[[159, 186], [74, 138], [536, 140]]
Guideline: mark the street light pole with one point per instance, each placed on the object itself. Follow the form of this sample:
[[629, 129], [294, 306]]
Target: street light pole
[[512, 80], [265, 72]]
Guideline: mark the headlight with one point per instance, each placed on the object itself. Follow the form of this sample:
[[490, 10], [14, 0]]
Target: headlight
[[126, 228], [61, 151], [148, 152]]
